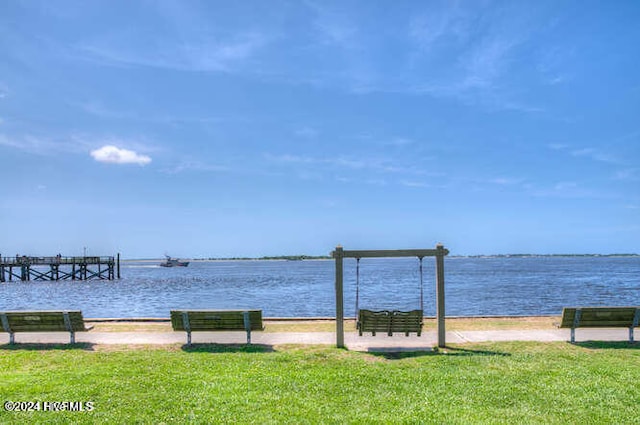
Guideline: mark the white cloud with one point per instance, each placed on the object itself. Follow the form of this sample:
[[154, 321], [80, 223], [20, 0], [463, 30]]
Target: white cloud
[[212, 53], [571, 190], [341, 162], [469, 52], [426, 30], [42, 145], [398, 141], [334, 26], [408, 183], [306, 132], [505, 181], [114, 155], [565, 186], [630, 174], [595, 154], [552, 64], [195, 166], [558, 146]]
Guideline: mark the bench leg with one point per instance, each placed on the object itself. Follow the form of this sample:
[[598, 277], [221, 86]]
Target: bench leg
[[247, 325]]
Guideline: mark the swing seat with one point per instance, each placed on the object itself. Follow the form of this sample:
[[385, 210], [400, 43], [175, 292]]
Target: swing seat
[[389, 321]]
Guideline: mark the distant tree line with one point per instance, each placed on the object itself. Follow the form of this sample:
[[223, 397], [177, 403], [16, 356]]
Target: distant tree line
[[548, 255], [277, 257], [328, 257]]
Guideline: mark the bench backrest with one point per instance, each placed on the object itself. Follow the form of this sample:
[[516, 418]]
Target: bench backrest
[[599, 317], [42, 321], [390, 321], [215, 320]]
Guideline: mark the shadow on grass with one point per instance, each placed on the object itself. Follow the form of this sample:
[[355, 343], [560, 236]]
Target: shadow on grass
[[457, 351], [84, 346], [399, 354], [228, 348], [389, 354], [608, 345]]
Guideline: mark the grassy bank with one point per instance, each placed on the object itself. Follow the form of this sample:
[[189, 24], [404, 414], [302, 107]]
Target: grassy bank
[[302, 325], [480, 383]]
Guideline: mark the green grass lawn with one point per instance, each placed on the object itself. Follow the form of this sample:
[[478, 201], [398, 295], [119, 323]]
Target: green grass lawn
[[481, 383]]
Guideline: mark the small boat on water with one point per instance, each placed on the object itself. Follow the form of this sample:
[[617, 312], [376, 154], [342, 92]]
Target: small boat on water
[[173, 262]]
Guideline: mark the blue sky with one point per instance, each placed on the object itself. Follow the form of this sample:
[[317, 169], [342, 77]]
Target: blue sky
[[209, 128]]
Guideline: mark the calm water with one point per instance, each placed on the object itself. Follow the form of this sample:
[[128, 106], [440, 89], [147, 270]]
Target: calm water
[[474, 286]]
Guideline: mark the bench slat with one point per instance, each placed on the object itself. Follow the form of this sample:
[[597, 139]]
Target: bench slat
[[43, 321], [592, 317], [216, 320]]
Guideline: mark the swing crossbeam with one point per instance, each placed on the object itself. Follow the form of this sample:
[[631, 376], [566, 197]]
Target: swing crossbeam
[[391, 253], [390, 321]]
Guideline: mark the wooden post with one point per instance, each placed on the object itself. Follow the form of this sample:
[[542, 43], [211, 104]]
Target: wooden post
[[338, 255], [118, 265], [440, 253]]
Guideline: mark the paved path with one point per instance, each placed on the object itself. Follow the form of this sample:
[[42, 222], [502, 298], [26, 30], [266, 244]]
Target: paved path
[[427, 341]]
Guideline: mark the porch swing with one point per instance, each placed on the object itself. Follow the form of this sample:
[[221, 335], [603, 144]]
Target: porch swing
[[389, 321]]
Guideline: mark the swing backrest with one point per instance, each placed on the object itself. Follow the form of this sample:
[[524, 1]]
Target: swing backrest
[[407, 321], [390, 321], [373, 321]]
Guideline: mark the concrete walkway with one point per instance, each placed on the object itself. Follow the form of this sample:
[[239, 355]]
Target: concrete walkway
[[426, 342]]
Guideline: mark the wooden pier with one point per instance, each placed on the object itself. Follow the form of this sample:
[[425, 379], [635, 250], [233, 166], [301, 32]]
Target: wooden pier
[[26, 268]]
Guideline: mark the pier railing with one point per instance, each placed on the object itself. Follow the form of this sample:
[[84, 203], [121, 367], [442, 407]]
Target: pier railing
[[27, 268], [45, 261]]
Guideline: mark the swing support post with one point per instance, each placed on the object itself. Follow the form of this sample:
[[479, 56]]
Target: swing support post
[[338, 255], [440, 252]]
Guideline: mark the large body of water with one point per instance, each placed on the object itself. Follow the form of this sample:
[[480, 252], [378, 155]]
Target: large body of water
[[474, 286]]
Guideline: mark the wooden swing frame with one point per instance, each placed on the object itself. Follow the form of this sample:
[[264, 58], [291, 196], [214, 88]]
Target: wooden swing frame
[[439, 253]]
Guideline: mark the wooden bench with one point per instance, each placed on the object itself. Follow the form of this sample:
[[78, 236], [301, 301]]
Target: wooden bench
[[43, 321], [389, 322], [216, 320], [600, 317]]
